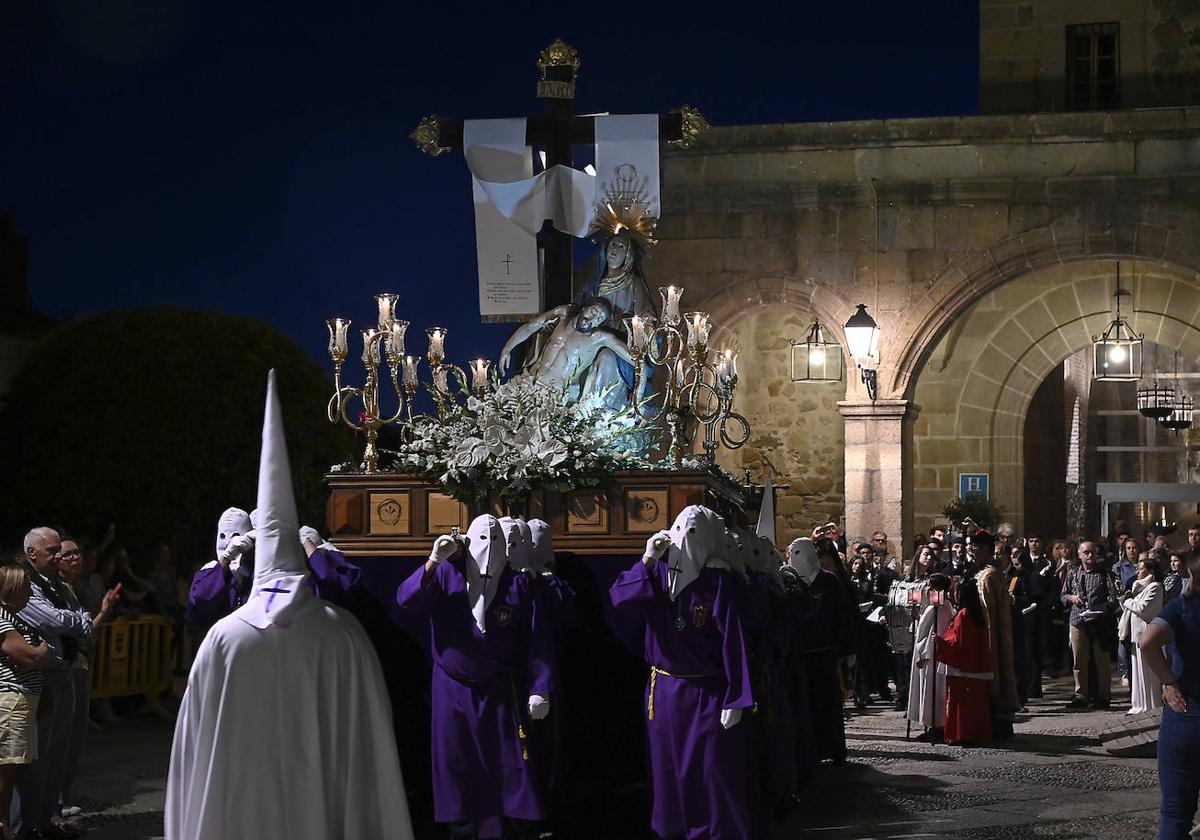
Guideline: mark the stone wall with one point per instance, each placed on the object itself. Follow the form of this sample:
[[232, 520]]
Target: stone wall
[[1022, 51], [919, 219], [794, 425]]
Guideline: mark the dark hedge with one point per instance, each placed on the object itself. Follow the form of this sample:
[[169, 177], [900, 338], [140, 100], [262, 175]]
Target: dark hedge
[[152, 419]]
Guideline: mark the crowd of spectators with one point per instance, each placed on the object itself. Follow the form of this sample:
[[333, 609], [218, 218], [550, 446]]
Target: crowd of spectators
[[56, 592]]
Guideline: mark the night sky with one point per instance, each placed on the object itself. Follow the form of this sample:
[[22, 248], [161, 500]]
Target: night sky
[[253, 157]]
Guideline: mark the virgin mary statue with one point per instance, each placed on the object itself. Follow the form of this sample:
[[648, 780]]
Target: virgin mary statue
[[624, 231]]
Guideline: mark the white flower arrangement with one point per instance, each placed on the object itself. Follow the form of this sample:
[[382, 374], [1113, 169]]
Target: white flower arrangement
[[522, 436]]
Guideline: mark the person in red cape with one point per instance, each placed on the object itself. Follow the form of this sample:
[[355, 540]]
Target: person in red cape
[[965, 655]]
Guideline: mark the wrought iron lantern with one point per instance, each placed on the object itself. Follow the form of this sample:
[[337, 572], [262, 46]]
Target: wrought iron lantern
[[1156, 402], [816, 358], [1180, 417], [1117, 352]]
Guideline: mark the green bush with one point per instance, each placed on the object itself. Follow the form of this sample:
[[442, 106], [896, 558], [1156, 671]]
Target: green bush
[[976, 507], [152, 419]]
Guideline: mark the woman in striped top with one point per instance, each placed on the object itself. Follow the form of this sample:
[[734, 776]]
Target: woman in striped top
[[22, 656]]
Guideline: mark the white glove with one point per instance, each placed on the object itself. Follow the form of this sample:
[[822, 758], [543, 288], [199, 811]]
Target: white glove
[[656, 546], [443, 548], [539, 707], [237, 547], [1029, 609], [730, 717]]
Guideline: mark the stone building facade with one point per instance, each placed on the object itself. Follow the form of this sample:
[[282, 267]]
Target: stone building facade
[[984, 246]]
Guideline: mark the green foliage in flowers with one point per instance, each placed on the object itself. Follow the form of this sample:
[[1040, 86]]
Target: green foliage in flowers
[[521, 436]]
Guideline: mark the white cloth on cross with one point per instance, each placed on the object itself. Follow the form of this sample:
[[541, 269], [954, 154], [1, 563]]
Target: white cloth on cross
[[512, 204]]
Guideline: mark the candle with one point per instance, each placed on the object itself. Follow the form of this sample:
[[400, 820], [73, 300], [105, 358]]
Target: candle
[[728, 361], [680, 372], [479, 374], [440, 381], [410, 371], [395, 339], [634, 336], [698, 327], [1164, 515], [387, 308], [338, 330], [370, 347], [437, 344], [670, 303]]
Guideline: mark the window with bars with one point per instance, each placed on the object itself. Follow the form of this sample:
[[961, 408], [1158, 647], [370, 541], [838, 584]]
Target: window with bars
[[1093, 66]]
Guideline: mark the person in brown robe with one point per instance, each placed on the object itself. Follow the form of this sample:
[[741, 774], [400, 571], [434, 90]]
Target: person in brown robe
[[997, 603]]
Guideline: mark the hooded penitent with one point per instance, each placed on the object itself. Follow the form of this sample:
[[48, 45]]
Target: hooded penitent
[[285, 729], [802, 556], [488, 555], [732, 555], [280, 570], [516, 543], [234, 522], [697, 537], [542, 556]]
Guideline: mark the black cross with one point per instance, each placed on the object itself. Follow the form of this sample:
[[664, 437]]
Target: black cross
[[556, 132], [507, 263]]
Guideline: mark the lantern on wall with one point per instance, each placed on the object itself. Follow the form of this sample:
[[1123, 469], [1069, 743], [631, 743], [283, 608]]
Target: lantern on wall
[[1117, 352], [816, 358], [862, 340]]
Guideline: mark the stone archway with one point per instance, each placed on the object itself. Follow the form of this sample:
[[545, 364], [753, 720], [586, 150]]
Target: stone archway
[[953, 291], [975, 386], [794, 426]]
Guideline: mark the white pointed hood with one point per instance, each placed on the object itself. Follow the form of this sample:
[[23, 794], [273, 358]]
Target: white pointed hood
[[542, 556], [516, 543], [696, 537], [802, 556], [488, 555], [731, 556], [280, 570], [234, 522]]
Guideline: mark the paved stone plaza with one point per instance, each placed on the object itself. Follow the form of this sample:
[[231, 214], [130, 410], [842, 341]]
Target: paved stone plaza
[[1052, 780]]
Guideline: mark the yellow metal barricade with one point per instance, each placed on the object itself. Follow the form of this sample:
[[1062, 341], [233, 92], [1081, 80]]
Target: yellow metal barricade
[[133, 658]]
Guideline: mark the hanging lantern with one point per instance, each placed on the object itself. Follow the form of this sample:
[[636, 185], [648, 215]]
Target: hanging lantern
[[1117, 352], [1155, 402], [816, 359], [1180, 417]]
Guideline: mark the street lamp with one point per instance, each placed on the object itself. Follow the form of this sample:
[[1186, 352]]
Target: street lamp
[[862, 340]]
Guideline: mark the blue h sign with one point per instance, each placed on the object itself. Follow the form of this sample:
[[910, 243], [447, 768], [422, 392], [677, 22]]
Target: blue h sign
[[972, 483]]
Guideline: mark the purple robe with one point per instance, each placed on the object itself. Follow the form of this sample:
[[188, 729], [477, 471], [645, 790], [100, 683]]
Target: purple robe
[[216, 592], [697, 654], [481, 687]]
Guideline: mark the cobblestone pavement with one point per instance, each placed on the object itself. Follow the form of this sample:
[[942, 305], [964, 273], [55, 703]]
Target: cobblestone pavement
[[1051, 781]]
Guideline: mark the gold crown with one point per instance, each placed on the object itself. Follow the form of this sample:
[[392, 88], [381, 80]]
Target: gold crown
[[559, 54]]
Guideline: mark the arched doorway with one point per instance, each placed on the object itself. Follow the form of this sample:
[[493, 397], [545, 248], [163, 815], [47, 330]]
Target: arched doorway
[[975, 388]]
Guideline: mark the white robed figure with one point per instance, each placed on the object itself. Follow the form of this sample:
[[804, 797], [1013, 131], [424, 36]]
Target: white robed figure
[[285, 729], [927, 681]]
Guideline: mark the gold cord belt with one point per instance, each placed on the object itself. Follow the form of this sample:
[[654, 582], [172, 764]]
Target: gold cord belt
[[654, 672], [520, 727]]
